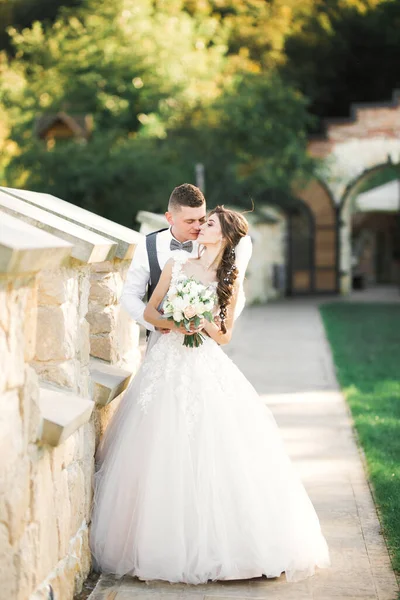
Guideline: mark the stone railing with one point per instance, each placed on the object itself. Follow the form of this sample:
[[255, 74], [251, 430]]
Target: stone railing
[[67, 349]]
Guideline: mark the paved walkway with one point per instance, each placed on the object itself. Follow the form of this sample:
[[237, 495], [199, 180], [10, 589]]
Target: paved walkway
[[282, 349]]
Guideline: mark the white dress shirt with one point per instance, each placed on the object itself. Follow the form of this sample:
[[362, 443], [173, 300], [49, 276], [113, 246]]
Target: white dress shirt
[[138, 275]]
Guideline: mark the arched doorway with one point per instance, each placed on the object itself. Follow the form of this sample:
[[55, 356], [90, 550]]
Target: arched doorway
[[300, 250], [313, 242], [373, 232]]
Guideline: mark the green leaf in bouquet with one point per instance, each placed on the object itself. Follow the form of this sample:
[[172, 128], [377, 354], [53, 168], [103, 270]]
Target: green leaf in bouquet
[[208, 316], [196, 321], [188, 341]]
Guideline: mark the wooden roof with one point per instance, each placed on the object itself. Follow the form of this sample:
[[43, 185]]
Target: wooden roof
[[80, 125]]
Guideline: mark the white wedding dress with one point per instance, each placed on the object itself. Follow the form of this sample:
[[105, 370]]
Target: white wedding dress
[[193, 482]]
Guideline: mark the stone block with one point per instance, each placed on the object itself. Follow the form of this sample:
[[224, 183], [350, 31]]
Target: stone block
[[67, 577], [86, 448], [8, 569], [100, 320], [43, 513], [109, 381], [101, 418], [103, 291], [12, 339], [4, 358], [29, 408], [63, 413], [17, 499], [57, 287], [58, 328], [106, 266], [11, 432], [84, 291], [28, 559], [77, 496], [83, 350], [30, 322], [64, 374], [100, 347], [28, 249], [63, 510]]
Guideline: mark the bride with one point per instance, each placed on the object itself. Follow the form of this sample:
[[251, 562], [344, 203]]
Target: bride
[[193, 483]]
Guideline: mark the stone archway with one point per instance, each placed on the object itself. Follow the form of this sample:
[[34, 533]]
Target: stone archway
[[352, 149], [346, 217]]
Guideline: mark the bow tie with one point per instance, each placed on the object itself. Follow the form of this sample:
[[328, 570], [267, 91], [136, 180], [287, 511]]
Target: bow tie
[[175, 245]]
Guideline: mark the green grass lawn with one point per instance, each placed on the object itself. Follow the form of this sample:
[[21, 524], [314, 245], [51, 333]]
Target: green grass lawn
[[365, 340]]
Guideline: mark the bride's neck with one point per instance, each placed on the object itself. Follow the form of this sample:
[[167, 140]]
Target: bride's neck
[[211, 256]]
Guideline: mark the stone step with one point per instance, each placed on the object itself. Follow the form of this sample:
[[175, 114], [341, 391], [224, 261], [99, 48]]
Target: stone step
[[62, 413], [109, 381]]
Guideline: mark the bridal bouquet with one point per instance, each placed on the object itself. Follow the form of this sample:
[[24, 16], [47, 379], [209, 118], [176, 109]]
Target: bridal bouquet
[[186, 302]]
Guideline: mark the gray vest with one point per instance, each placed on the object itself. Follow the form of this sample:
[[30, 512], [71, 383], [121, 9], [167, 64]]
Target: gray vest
[[155, 270]]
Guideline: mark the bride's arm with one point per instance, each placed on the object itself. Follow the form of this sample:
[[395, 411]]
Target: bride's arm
[[212, 328], [151, 313]]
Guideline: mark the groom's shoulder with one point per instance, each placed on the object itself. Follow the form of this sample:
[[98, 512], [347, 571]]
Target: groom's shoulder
[[154, 233]]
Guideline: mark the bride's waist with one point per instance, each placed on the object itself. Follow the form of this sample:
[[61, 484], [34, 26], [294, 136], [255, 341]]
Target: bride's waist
[[177, 338]]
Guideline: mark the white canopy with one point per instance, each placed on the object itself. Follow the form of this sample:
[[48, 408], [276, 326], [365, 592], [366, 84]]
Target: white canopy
[[382, 198]]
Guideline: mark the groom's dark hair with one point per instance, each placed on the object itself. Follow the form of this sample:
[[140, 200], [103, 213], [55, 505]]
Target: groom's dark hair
[[186, 195]]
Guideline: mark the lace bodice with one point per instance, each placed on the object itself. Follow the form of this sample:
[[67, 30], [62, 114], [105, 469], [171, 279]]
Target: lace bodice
[[178, 272], [169, 357]]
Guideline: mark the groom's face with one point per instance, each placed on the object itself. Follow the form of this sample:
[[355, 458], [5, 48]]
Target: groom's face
[[186, 222]]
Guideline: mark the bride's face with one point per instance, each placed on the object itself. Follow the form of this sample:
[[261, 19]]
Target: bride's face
[[210, 233]]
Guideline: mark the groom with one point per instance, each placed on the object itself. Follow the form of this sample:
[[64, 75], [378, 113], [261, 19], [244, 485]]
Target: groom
[[186, 214]]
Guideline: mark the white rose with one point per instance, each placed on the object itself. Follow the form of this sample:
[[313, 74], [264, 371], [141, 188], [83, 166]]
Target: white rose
[[177, 316], [199, 307], [179, 303], [168, 308]]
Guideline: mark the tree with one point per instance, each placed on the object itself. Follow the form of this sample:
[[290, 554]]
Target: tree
[[165, 93], [345, 52], [253, 137]]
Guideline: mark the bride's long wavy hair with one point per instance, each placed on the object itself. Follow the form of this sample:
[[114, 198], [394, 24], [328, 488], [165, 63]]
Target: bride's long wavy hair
[[234, 226]]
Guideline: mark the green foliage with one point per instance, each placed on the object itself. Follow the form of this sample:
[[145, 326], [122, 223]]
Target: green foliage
[[344, 52], [171, 84], [165, 93], [251, 138], [365, 340]]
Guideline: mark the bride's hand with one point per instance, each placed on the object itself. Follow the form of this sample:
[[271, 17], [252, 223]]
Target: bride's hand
[[193, 329]]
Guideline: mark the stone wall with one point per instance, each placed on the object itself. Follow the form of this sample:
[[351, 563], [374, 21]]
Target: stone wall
[[58, 385], [114, 337], [269, 255]]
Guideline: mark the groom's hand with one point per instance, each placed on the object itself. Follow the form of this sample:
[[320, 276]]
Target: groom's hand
[[193, 329], [160, 329]]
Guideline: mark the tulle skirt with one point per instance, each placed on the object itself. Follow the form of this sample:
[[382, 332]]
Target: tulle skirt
[[193, 482]]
